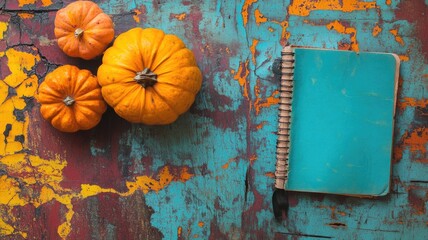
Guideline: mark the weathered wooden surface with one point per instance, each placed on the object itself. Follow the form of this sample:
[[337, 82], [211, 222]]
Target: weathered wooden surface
[[210, 174]]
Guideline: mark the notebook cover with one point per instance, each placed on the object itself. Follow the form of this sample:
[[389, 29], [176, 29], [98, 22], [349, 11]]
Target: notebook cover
[[342, 122]]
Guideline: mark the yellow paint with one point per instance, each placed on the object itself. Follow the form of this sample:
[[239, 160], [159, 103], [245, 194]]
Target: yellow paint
[[4, 91], [18, 63], [305, 7], [253, 49], [3, 28], [376, 30], [25, 15], [398, 38], [245, 8], [259, 17], [339, 27], [31, 172]]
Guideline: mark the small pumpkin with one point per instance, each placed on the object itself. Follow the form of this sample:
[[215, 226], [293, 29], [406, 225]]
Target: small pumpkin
[[71, 99], [83, 29], [149, 77]]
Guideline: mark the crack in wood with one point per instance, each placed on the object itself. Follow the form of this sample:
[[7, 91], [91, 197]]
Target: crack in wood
[[305, 235]]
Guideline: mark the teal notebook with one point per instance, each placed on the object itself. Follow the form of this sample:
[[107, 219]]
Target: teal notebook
[[338, 109]]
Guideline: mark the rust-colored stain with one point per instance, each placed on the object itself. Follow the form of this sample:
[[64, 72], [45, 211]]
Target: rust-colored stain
[[376, 31], [259, 17], [417, 198], [341, 28], [270, 174], [201, 224], [304, 7], [388, 2], [398, 38], [412, 102], [261, 125], [417, 143], [244, 11]]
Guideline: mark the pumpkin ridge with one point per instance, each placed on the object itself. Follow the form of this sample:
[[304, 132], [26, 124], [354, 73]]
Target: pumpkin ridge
[[176, 86], [165, 101], [154, 46], [92, 105]]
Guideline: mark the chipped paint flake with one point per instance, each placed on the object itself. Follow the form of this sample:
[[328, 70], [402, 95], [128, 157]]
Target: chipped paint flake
[[3, 29], [260, 103], [398, 38], [352, 32], [180, 16], [376, 31], [26, 15], [242, 75], [412, 102], [259, 17], [245, 9], [253, 49], [417, 143], [305, 7]]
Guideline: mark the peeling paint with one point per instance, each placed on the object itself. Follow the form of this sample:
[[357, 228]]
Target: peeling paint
[[398, 38], [417, 143], [341, 28], [259, 17], [241, 76], [3, 29], [305, 7], [179, 17], [376, 31], [264, 103], [245, 9]]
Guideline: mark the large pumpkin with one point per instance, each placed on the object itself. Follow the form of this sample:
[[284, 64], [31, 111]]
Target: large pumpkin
[[149, 77], [83, 29], [71, 99]]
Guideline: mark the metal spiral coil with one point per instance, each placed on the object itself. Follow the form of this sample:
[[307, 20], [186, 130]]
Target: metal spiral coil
[[284, 117]]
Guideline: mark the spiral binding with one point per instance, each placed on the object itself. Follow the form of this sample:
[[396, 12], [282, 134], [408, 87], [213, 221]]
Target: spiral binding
[[284, 117]]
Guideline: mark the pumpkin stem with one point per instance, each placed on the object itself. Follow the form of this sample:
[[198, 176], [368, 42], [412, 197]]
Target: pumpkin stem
[[68, 101], [146, 78], [78, 32]]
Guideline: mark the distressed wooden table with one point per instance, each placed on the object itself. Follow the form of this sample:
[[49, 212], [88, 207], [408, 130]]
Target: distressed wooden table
[[210, 174]]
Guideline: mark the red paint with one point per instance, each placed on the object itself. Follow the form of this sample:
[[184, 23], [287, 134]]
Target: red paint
[[416, 12], [417, 198]]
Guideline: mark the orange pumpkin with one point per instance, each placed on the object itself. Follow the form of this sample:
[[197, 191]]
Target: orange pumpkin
[[149, 77], [71, 99], [83, 29]]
